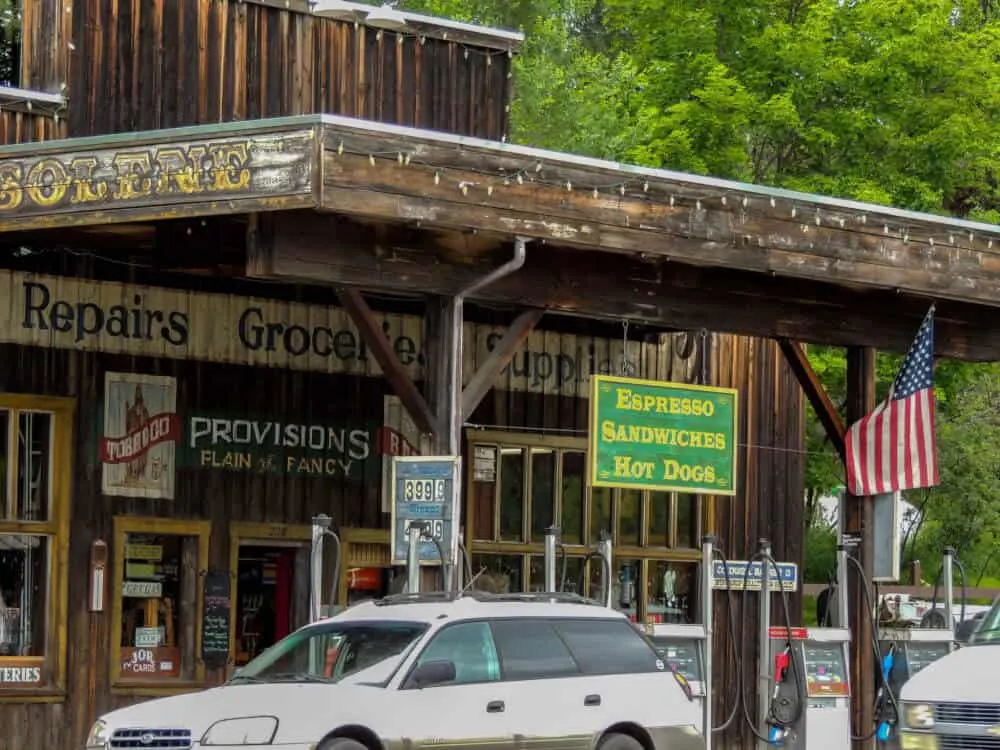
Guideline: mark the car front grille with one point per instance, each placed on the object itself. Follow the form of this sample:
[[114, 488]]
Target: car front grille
[[967, 713], [151, 739], [951, 742]]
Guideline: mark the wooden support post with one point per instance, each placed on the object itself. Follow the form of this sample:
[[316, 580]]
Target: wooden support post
[[795, 355], [858, 511], [381, 349], [488, 372]]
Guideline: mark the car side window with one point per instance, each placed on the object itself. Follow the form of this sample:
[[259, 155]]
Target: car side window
[[608, 647], [469, 646], [531, 649]]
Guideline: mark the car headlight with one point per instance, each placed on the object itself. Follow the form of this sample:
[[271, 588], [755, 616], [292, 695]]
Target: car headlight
[[98, 737], [919, 715], [248, 730]]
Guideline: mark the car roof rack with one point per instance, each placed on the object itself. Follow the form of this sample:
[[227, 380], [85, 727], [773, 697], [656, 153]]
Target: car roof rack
[[429, 597], [562, 597]]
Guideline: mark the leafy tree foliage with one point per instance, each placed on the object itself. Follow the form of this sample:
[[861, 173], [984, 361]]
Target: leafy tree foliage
[[889, 101]]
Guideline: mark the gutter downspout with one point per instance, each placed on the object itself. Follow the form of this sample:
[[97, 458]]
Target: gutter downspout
[[458, 330], [454, 415]]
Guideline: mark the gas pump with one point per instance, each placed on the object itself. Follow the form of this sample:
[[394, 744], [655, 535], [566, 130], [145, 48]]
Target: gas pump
[[320, 533], [904, 651], [687, 649], [820, 656]]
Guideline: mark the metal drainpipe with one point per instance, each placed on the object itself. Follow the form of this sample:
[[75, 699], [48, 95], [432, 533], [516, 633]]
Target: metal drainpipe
[[457, 322], [455, 363]]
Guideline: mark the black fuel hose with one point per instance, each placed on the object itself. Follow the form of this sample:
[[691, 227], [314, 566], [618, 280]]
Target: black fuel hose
[[796, 667], [876, 650], [937, 582], [733, 649], [607, 574], [565, 566]]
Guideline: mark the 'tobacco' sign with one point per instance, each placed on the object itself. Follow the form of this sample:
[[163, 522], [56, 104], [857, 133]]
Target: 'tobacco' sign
[[646, 434]]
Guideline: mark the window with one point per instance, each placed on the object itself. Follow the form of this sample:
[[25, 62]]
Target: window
[[531, 649], [520, 484], [470, 647], [10, 42], [35, 466], [670, 590], [158, 600], [335, 651], [607, 647]]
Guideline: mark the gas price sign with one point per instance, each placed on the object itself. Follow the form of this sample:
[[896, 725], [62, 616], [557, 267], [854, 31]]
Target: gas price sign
[[424, 490]]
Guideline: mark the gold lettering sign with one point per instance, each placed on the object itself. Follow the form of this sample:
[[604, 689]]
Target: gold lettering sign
[[161, 174]]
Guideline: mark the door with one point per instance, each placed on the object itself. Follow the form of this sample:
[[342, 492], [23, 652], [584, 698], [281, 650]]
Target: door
[[472, 710], [542, 672]]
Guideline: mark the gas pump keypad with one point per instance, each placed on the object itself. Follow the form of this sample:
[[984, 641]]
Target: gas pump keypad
[[681, 656]]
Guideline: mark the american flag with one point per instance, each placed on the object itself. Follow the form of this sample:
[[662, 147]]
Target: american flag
[[893, 448]]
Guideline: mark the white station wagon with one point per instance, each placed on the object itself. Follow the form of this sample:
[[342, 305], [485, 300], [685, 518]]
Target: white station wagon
[[419, 671]]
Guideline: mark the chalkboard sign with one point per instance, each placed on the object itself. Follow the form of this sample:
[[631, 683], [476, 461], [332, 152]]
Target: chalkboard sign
[[215, 621]]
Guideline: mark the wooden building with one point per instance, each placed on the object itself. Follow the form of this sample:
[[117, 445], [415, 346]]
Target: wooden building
[[190, 372]]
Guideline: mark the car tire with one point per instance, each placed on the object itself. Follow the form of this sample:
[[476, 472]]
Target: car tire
[[342, 743], [617, 741]]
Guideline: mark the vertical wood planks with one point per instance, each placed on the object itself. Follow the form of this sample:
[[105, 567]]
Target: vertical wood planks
[[149, 64]]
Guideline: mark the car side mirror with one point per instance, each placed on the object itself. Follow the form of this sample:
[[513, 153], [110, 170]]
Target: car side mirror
[[432, 673]]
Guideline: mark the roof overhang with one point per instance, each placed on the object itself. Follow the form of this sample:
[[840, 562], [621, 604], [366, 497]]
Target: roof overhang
[[664, 223]]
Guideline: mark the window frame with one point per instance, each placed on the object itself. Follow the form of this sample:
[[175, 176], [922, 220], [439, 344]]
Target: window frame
[[57, 530], [429, 638], [287, 535], [123, 526], [644, 553]]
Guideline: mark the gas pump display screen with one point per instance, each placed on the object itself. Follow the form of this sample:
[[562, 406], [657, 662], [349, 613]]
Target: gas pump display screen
[[826, 672], [681, 656], [919, 655]]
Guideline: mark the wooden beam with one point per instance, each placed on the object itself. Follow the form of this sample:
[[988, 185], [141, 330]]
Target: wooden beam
[[859, 520], [489, 371], [799, 363], [381, 349], [711, 231], [602, 285]]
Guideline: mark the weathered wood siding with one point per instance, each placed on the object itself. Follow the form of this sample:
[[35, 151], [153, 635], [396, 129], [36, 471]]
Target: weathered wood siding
[[140, 65], [769, 502], [48, 26], [218, 495], [17, 125]]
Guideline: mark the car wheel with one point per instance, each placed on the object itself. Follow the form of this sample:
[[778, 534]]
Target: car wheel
[[343, 743], [619, 742]]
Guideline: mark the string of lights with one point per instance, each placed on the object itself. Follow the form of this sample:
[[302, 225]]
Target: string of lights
[[804, 216], [479, 182]]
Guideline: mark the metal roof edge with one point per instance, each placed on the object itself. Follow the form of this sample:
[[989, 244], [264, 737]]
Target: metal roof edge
[[665, 175], [488, 36]]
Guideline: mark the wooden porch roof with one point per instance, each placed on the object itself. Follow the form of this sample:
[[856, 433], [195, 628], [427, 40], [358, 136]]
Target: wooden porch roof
[[407, 210]]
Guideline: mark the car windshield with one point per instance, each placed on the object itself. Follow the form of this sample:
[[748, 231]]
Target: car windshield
[[332, 651], [989, 629]]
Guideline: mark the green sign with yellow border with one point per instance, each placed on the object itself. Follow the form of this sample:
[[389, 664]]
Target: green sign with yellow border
[[650, 435]]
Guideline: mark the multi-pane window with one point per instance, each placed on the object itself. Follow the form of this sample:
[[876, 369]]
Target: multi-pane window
[[34, 471], [158, 599], [522, 484], [10, 42]]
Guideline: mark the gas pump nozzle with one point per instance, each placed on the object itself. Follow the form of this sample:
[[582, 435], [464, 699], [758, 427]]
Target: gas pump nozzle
[[777, 728]]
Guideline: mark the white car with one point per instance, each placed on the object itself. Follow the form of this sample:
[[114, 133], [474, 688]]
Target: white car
[[419, 671]]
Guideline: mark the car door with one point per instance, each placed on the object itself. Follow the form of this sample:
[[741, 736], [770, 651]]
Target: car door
[[471, 710], [624, 678], [548, 695]]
